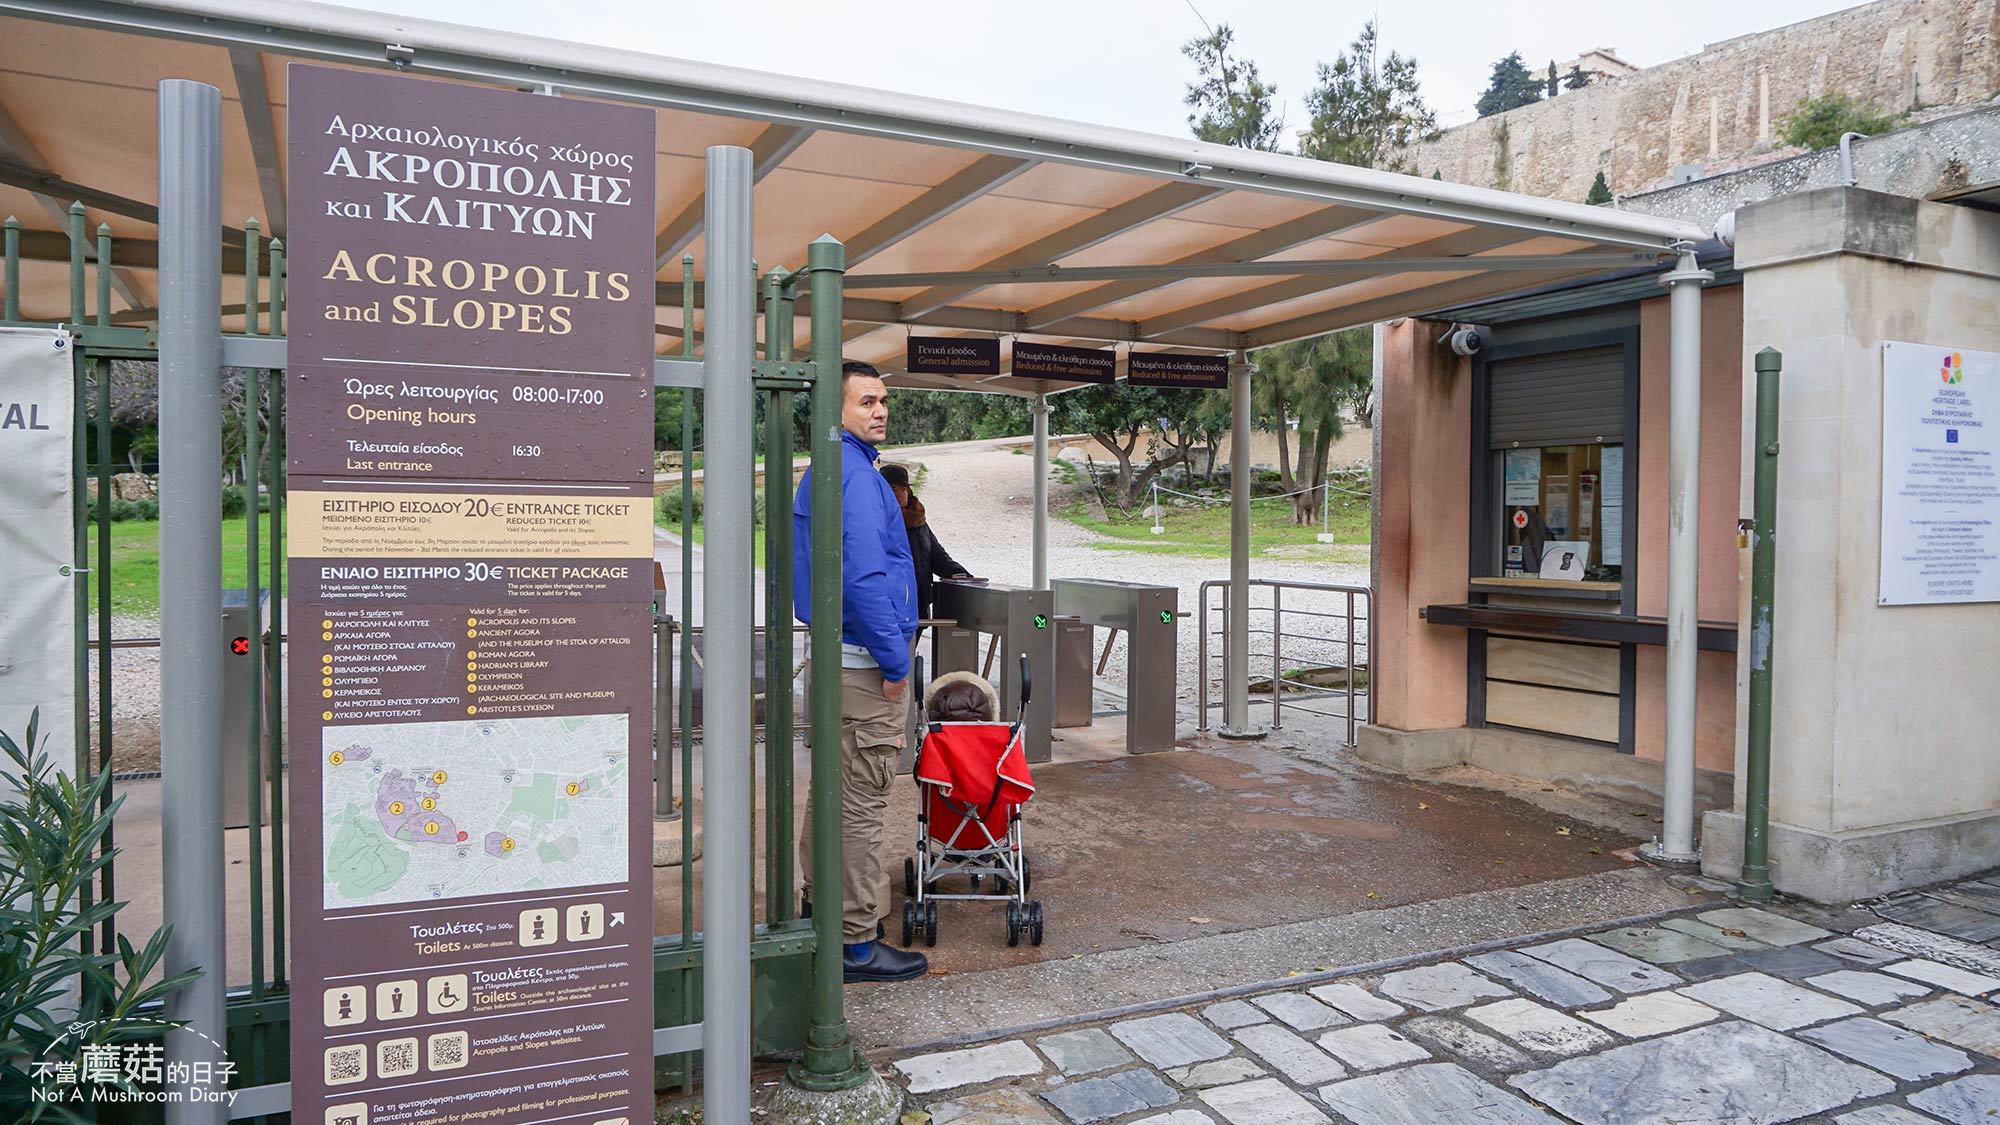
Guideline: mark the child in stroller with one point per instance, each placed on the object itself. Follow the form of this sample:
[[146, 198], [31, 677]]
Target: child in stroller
[[972, 772]]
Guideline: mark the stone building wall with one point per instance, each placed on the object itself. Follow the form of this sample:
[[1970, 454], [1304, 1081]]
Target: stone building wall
[[1724, 104]]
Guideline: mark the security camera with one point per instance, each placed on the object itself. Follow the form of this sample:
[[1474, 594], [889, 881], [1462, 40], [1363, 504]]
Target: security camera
[[1467, 339]]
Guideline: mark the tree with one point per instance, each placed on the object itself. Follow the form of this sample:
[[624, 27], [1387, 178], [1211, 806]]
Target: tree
[[1367, 111], [1577, 78], [1819, 122], [1120, 417], [1600, 192], [1553, 83], [1230, 104], [1510, 87], [1322, 380]]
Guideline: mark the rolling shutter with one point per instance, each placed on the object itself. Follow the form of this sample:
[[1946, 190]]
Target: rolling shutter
[[1568, 398]]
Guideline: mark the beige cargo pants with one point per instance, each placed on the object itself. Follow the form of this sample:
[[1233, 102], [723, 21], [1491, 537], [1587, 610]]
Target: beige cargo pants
[[871, 745]]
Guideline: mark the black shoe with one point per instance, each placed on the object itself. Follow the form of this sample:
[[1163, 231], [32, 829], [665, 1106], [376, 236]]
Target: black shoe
[[884, 962], [806, 913]]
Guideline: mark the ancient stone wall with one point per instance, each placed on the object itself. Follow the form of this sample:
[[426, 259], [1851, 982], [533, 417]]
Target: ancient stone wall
[[1724, 105]]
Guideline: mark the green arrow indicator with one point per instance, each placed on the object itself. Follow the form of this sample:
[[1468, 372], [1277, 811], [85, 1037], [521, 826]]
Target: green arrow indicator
[[1041, 621], [1166, 617]]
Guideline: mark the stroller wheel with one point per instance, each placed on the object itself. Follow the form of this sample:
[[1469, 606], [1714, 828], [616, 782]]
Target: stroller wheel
[[1027, 874], [930, 923], [909, 923], [909, 878], [1035, 922], [1014, 923], [1001, 886], [806, 907]]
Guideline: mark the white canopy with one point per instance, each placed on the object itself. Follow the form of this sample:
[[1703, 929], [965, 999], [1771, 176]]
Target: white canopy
[[957, 219]]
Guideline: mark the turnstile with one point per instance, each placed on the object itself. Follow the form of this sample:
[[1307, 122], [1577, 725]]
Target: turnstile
[[1146, 614], [236, 748], [1019, 619]]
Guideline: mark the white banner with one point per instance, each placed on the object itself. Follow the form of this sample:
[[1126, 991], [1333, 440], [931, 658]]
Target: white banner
[[1940, 483], [37, 599]]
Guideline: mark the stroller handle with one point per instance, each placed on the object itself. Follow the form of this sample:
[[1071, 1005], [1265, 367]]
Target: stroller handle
[[1027, 682]]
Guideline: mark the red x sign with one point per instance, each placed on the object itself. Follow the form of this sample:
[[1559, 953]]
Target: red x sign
[[240, 646]]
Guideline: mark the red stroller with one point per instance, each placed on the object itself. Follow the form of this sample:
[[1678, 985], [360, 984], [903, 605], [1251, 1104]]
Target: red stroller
[[973, 778]]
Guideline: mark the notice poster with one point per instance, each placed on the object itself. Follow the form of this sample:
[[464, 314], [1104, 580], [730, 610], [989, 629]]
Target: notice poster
[[1053, 361], [37, 586], [952, 355], [1940, 486], [1611, 488], [1177, 369], [1523, 478], [469, 458]]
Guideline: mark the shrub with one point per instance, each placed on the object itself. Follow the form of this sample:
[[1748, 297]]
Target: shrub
[[1819, 122], [52, 829], [232, 502], [670, 505]]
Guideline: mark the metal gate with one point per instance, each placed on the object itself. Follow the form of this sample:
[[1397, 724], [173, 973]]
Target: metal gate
[[258, 1006]]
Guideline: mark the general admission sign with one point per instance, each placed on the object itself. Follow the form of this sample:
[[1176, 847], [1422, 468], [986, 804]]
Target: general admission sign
[[469, 435]]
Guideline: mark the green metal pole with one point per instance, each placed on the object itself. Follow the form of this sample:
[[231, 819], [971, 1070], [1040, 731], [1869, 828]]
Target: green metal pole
[[829, 1062], [251, 283], [688, 976], [102, 368], [274, 679], [10, 310], [779, 725], [253, 455], [80, 547], [1755, 885]]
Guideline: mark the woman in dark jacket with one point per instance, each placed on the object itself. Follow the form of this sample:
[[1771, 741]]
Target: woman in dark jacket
[[926, 553]]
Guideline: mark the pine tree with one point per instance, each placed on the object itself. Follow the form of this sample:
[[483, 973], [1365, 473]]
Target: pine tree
[[1366, 110], [1511, 86], [1554, 84], [1600, 192], [1230, 104], [1577, 78]]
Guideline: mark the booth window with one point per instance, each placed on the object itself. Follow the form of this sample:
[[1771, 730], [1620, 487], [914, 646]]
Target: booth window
[[1556, 438]]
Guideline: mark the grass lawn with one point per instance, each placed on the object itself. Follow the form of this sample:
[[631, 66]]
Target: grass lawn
[[1201, 529], [135, 563]]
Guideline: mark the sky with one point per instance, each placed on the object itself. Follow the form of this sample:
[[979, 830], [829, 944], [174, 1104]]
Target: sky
[[1117, 62]]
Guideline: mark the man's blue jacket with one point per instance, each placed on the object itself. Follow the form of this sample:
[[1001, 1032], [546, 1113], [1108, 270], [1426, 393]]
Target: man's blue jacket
[[878, 582]]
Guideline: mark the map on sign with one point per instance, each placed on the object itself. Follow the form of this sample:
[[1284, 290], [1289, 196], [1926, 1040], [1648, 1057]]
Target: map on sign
[[417, 812]]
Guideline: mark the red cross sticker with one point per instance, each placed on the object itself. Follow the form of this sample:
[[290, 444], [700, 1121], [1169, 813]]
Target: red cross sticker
[[240, 646], [1520, 519]]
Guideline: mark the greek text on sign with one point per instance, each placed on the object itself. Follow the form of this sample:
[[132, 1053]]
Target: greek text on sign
[[953, 355], [1053, 361], [1177, 369]]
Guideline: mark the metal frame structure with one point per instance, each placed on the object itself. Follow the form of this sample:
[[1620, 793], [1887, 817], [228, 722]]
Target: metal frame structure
[[1291, 248]]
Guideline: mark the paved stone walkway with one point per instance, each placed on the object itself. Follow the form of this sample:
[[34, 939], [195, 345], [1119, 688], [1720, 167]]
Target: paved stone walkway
[[1735, 1015]]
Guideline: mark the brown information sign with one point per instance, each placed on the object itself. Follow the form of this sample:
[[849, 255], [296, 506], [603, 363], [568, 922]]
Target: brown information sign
[[1177, 369], [1053, 361], [469, 459], [953, 355]]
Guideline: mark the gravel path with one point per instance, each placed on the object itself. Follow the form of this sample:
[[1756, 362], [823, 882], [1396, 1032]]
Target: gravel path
[[979, 498]]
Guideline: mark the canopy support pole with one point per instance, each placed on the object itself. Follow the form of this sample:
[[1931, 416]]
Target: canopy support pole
[[191, 671], [1676, 844], [1040, 410], [728, 613], [1236, 644]]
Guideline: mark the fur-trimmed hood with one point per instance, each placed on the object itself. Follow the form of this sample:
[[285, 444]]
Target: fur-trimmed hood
[[949, 678]]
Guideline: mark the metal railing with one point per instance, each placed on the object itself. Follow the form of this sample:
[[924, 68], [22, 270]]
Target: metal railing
[[1342, 649]]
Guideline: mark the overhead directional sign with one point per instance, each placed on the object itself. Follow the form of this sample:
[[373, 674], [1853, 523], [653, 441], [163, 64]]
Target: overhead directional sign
[[1177, 369], [1054, 361], [953, 355]]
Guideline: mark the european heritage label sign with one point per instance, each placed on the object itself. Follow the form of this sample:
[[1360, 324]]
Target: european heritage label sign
[[1074, 365], [469, 459], [1177, 369], [952, 355], [1940, 485]]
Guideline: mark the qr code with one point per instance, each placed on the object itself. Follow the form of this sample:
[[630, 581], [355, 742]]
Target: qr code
[[396, 1057], [346, 1064], [448, 1051]]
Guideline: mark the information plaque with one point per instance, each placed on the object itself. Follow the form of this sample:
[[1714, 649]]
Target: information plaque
[[469, 462]]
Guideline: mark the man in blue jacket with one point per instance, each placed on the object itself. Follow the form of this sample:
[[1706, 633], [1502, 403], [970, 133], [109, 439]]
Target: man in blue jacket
[[878, 623]]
